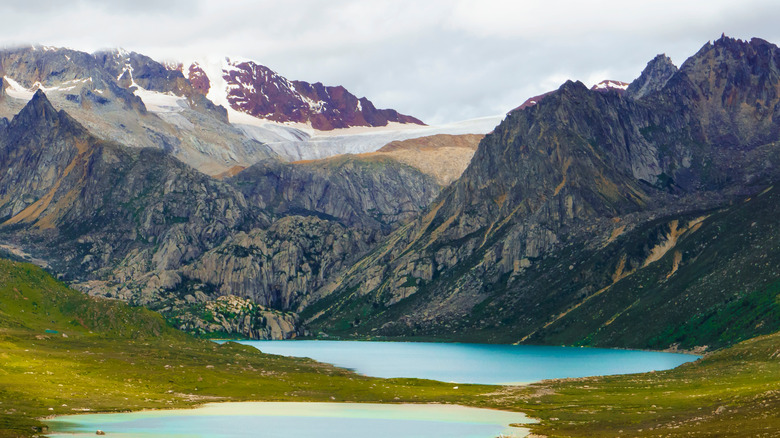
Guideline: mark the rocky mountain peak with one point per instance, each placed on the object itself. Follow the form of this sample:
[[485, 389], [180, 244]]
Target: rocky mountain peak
[[602, 87], [257, 90], [569, 91], [572, 86], [653, 78], [37, 111]]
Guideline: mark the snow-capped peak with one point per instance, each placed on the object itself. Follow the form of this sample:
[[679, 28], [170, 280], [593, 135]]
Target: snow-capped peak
[[609, 84]]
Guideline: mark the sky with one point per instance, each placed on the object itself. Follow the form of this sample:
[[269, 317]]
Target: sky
[[439, 60]]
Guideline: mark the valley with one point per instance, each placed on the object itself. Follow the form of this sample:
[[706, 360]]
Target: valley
[[168, 204]]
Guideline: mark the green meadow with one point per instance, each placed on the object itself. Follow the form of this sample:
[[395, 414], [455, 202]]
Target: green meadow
[[62, 352]]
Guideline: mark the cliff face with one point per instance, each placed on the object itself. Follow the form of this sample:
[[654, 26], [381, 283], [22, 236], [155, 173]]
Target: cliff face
[[573, 172], [280, 267], [653, 78], [368, 194]]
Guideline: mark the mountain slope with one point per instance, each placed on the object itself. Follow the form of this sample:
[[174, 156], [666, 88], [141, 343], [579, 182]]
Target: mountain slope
[[441, 156], [139, 225], [715, 285], [561, 179], [374, 194], [254, 89], [155, 108]]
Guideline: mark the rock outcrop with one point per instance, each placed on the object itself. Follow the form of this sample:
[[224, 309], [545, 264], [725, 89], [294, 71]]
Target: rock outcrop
[[653, 78], [280, 267], [234, 316]]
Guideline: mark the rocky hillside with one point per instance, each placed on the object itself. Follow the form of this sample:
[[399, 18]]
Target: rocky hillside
[[374, 194], [84, 203], [139, 225], [556, 185]]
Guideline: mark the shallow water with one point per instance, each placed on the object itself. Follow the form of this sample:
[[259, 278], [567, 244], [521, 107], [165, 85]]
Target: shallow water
[[465, 363], [284, 420], [474, 363]]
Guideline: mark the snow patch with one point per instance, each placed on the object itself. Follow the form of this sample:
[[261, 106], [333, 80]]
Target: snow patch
[[610, 84], [304, 143], [157, 102], [18, 91]]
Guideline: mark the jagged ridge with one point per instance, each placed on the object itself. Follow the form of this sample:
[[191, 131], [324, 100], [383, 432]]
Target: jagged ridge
[[567, 175]]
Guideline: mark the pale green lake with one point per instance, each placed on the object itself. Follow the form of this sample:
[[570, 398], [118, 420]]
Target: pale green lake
[[300, 420]]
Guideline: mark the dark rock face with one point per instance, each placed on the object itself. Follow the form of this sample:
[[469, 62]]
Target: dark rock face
[[373, 195], [554, 185], [261, 92], [653, 78], [35, 156]]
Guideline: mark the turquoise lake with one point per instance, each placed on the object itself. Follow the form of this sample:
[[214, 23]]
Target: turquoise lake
[[474, 363], [462, 363]]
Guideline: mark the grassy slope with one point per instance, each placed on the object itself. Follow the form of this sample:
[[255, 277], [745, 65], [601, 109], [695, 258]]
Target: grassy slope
[[119, 358], [733, 392], [724, 291]]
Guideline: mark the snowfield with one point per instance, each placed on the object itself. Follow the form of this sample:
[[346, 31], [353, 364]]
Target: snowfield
[[299, 141], [295, 142]]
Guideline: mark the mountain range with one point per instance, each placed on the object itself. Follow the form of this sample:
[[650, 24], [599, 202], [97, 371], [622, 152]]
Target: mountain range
[[586, 214], [594, 218], [222, 115]]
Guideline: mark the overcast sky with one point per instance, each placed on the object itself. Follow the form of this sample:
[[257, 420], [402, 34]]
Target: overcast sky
[[439, 60]]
